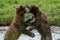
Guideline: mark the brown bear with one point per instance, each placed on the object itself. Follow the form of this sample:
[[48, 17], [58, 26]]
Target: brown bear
[[17, 26], [41, 23]]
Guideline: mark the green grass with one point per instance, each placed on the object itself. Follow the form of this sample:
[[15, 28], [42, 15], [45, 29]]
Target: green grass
[[49, 7]]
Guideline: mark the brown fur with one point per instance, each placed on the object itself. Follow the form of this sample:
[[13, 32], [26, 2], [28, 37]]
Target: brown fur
[[17, 26], [41, 23]]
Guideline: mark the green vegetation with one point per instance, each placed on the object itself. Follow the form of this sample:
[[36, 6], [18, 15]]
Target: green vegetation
[[50, 7]]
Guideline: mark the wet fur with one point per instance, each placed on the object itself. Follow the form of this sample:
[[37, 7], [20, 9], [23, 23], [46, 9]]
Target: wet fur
[[17, 26], [41, 23]]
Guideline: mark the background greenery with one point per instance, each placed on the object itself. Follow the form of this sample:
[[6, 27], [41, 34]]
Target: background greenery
[[49, 7]]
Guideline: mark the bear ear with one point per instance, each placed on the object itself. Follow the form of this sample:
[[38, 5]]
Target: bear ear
[[21, 7], [34, 6], [17, 8]]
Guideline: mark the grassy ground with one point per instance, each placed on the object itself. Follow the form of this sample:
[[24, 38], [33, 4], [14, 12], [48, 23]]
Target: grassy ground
[[50, 7]]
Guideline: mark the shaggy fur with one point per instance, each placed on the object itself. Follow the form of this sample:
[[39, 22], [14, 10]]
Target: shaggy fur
[[41, 23], [17, 26]]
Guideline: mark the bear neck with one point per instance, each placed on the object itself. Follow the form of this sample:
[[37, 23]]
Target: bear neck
[[38, 13], [18, 20]]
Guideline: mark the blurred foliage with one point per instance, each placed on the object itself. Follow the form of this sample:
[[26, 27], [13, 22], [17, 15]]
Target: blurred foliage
[[50, 7]]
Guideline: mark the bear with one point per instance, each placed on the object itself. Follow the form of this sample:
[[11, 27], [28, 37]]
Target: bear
[[41, 23], [17, 26]]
